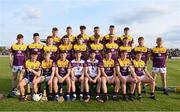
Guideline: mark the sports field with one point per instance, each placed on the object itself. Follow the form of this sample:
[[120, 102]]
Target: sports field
[[163, 103]]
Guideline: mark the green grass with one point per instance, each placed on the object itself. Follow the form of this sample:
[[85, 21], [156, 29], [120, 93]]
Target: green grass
[[163, 103]]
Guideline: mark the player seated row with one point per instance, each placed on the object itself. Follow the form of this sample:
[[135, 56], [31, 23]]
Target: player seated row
[[86, 72]]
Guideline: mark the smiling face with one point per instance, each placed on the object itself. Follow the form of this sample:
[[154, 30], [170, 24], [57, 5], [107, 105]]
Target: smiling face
[[55, 33], [96, 31], [141, 42], [80, 40], [93, 55], [69, 31], [65, 40], [138, 56], [20, 40], [108, 55], [49, 41], [36, 39], [63, 56], [123, 55], [78, 55], [111, 30], [34, 57], [47, 56]]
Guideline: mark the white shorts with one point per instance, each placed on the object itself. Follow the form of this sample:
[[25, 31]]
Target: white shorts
[[47, 78], [31, 84], [110, 77], [141, 77], [126, 77], [15, 69], [159, 70]]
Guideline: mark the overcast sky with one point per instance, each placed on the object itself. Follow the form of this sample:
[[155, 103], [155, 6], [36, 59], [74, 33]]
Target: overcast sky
[[147, 18]]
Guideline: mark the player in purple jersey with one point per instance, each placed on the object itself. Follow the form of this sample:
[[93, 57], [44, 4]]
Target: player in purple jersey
[[159, 57], [83, 34], [142, 75], [48, 72], [36, 46], [113, 47], [109, 75], [97, 47], [126, 35], [111, 32], [93, 76], [51, 48], [66, 46], [31, 70], [63, 70], [126, 74], [141, 48], [17, 59], [55, 37], [77, 74]]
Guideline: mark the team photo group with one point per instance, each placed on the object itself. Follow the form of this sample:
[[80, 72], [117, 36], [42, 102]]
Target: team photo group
[[67, 68]]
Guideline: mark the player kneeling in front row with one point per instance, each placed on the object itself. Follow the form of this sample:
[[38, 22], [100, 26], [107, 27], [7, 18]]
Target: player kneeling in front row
[[48, 71], [142, 75], [30, 71], [63, 71], [109, 75], [92, 75], [77, 75], [126, 75]]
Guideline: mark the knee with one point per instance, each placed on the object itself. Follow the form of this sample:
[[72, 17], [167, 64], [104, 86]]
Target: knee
[[85, 79], [99, 80]]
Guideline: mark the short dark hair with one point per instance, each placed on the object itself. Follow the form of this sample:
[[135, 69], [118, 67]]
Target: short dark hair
[[54, 29], [49, 37], [159, 39], [69, 27], [35, 34], [34, 53], [111, 26], [138, 52], [108, 51], [79, 36], [82, 27], [126, 28], [92, 51], [141, 38], [19, 36], [96, 27]]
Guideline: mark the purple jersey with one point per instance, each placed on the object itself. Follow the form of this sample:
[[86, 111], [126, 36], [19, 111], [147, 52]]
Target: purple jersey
[[144, 51], [56, 41], [63, 67], [99, 50], [159, 56], [124, 66], [108, 66], [47, 67], [36, 47], [114, 49], [139, 67], [67, 49], [52, 50], [19, 54], [31, 65]]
